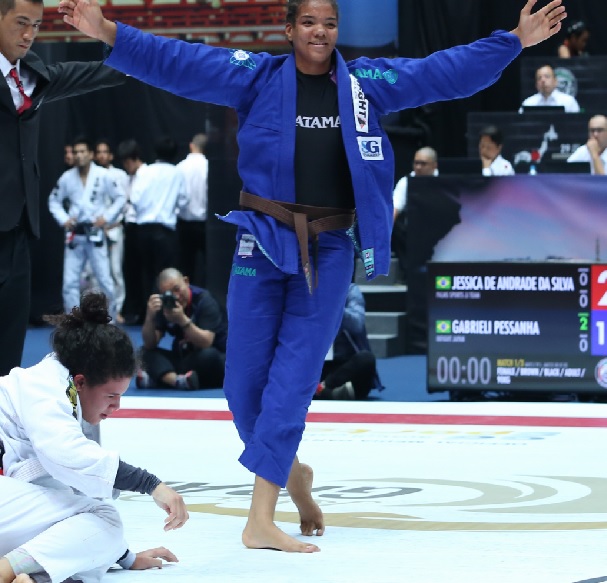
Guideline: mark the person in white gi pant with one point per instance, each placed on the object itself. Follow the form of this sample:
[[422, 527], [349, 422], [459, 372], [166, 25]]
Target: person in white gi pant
[[55, 521], [114, 231], [88, 188]]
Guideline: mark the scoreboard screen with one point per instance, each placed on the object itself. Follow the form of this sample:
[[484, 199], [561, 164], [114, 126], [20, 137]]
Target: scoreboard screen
[[517, 326]]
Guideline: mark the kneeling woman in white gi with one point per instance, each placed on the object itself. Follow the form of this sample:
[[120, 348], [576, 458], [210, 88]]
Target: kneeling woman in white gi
[[54, 521]]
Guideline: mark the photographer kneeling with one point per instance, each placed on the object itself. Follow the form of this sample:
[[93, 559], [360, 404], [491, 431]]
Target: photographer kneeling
[[196, 321]]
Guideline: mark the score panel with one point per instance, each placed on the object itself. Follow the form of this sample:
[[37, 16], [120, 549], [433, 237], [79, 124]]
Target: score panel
[[517, 326]]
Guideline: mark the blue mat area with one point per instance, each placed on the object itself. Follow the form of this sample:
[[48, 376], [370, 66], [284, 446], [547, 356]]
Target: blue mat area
[[403, 376]]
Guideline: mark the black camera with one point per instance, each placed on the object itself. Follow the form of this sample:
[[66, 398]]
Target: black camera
[[168, 300]]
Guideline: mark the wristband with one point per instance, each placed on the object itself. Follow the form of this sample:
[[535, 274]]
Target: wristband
[[127, 560]]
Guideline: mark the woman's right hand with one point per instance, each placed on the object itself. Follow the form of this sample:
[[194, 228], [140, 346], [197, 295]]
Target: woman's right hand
[[86, 16]]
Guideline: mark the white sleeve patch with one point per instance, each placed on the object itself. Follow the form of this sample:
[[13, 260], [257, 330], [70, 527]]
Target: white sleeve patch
[[361, 107], [370, 148]]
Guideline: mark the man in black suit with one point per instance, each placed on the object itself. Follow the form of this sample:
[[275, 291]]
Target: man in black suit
[[25, 84]]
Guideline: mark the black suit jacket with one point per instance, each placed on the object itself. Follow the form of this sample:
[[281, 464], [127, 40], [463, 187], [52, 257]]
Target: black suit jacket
[[20, 176]]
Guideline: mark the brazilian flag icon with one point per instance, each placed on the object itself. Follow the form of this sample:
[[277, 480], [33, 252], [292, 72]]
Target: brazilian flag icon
[[443, 326], [443, 282]]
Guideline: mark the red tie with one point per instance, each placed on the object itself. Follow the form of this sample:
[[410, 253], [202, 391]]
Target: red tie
[[27, 100]]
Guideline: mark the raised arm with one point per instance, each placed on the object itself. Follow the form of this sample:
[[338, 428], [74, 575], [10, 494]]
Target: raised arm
[[86, 16], [535, 28]]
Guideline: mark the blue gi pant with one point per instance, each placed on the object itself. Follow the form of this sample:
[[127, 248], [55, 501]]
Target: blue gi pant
[[278, 338]]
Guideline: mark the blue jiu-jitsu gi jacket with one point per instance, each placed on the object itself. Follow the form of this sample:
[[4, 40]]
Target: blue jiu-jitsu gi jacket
[[262, 89]]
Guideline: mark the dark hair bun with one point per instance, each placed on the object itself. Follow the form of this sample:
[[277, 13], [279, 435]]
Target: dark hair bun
[[94, 308]]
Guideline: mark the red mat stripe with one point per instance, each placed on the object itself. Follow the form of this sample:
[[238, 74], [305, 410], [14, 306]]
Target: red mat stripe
[[393, 418]]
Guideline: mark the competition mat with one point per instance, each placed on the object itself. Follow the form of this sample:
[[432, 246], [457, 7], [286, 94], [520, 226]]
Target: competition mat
[[411, 492]]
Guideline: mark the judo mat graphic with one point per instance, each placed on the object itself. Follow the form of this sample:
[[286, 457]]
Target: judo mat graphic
[[415, 492]]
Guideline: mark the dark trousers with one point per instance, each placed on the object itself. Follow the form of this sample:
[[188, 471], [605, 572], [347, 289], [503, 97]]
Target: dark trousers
[[15, 296], [399, 245], [192, 245], [133, 308], [156, 244], [208, 363], [359, 370]]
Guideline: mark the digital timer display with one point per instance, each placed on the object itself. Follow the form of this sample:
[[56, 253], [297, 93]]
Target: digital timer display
[[517, 326]]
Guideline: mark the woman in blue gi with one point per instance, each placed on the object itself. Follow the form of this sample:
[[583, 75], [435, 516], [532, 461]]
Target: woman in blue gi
[[317, 172]]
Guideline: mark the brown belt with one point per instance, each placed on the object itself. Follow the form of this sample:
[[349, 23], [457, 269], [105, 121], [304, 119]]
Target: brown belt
[[306, 221]]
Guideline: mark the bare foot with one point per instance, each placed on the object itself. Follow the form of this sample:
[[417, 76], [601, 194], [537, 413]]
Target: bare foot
[[300, 490], [260, 531], [269, 536]]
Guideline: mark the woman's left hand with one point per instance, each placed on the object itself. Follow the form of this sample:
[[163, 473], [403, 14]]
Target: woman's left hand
[[546, 22], [153, 558]]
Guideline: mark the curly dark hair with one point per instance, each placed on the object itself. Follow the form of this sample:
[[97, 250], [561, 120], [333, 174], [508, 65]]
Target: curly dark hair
[[86, 343], [293, 7]]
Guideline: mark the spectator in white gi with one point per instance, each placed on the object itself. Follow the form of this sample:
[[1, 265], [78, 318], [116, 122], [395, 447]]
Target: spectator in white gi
[[595, 149], [157, 198], [114, 231], [56, 520], [548, 94], [192, 219], [87, 187], [490, 143]]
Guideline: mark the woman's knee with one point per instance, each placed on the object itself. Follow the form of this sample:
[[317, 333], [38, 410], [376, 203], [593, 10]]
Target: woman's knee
[[110, 515]]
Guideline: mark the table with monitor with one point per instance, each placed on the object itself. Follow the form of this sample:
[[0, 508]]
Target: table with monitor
[[537, 138]]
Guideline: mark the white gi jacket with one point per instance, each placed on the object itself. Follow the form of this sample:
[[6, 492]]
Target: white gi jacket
[[87, 201], [42, 437]]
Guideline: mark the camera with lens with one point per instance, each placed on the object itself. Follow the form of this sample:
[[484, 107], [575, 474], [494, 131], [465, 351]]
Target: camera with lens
[[168, 300]]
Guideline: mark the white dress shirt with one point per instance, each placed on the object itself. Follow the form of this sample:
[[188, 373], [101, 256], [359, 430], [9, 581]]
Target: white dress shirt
[[555, 98], [195, 169], [582, 154], [399, 196], [158, 194], [27, 78]]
